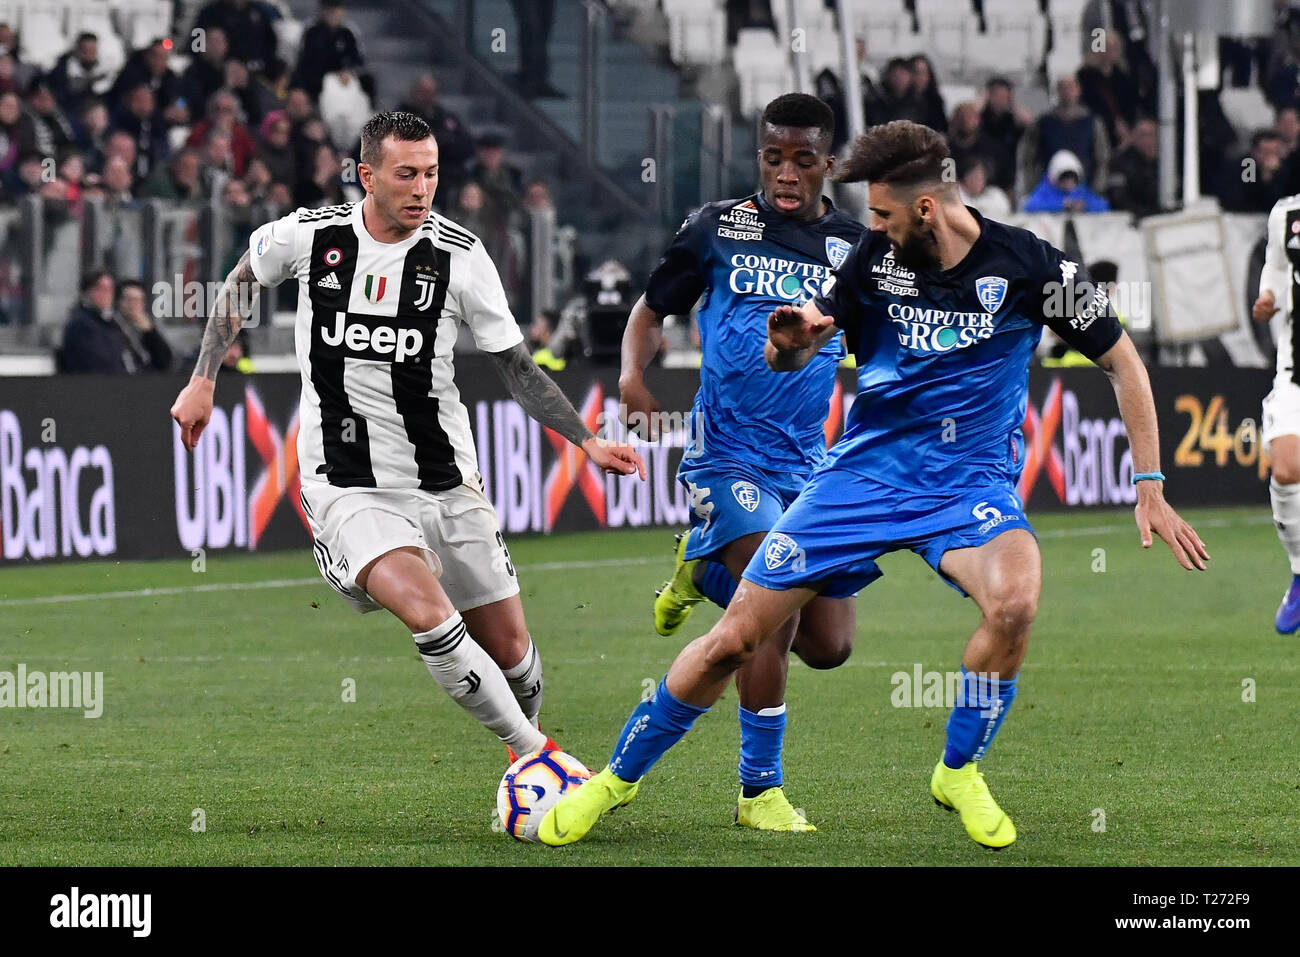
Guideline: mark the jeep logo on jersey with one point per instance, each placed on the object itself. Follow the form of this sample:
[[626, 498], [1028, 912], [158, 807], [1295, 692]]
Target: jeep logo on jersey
[[380, 342], [836, 250], [746, 494], [376, 286], [778, 549], [991, 291]]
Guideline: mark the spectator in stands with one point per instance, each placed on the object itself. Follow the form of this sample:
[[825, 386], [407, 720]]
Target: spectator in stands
[[8, 41], [137, 116], [975, 190], [1259, 184], [99, 339], [148, 67], [116, 183], [1067, 126], [28, 175], [541, 336], [966, 139], [896, 99], [179, 180], [469, 209], [92, 131], [326, 186], [248, 26], [1134, 183], [1109, 89], [207, 71], [344, 107], [78, 73], [255, 100], [53, 129], [276, 149], [328, 45], [926, 87], [8, 73], [258, 181], [71, 174], [121, 145], [502, 182], [455, 144], [743, 14], [17, 133], [224, 114], [1002, 123], [218, 165], [830, 89], [1286, 123], [1062, 189], [537, 196], [533, 19]]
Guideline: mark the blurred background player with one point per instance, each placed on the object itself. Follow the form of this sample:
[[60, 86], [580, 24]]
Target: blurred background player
[[1281, 413], [389, 469], [756, 435], [947, 347]]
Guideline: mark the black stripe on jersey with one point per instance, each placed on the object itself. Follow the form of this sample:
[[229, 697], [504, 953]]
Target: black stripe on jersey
[[447, 227], [305, 507], [323, 563], [421, 300], [455, 242], [441, 646], [344, 434], [324, 212]]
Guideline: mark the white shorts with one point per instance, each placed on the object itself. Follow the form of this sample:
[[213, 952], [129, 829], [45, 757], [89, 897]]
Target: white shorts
[[457, 529], [1281, 411]]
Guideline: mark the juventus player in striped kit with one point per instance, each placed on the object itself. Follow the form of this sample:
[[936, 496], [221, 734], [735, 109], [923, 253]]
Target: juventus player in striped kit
[[1281, 432], [389, 470]]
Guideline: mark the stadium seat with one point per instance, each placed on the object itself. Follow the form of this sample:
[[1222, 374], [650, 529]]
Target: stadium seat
[[140, 22], [697, 32], [95, 16], [42, 35], [762, 67]]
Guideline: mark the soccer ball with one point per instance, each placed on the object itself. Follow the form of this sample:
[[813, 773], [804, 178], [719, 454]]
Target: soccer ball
[[532, 786]]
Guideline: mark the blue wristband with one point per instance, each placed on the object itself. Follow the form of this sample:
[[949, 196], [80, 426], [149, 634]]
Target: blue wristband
[[1152, 476]]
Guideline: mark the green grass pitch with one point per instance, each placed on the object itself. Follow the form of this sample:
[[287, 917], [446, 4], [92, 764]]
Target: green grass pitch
[[230, 700]]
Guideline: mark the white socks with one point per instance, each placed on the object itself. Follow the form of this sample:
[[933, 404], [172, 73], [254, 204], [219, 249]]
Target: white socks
[[476, 683], [1286, 517], [526, 682]]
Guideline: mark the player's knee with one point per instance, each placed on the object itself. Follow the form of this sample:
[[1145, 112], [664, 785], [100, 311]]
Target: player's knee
[[422, 613], [823, 653], [731, 643], [1011, 615], [1286, 471]]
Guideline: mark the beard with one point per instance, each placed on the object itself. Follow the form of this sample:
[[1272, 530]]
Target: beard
[[918, 249]]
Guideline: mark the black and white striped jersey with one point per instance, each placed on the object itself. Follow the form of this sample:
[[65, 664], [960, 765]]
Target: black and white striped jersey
[[1280, 275], [376, 326]]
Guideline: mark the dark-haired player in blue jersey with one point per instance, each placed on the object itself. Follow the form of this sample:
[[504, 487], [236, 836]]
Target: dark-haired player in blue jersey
[[756, 435], [942, 309]]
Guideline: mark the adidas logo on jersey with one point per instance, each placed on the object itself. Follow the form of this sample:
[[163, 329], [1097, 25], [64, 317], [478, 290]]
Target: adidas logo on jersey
[[330, 282], [381, 342]]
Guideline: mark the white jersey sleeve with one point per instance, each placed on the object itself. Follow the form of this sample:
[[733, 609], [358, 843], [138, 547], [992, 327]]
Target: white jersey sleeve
[[483, 305], [1276, 275], [273, 250]]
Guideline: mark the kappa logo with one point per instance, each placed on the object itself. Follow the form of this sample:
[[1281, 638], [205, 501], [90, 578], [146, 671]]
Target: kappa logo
[[746, 494], [330, 282], [837, 250], [699, 502], [991, 290], [779, 549]]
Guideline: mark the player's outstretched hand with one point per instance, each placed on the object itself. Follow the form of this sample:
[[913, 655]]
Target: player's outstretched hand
[[790, 330], [613, 456], [192, 409], [1154, 514]]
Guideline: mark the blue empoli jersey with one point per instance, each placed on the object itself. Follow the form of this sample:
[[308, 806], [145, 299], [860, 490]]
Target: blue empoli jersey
[[747, 258], [943, 355]]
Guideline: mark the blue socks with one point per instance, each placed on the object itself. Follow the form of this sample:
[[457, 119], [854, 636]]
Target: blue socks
[[980, 708], [761, 737], [716, 583], [654, 727]]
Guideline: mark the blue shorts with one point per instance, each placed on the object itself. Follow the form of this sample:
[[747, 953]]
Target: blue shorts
[[731, 500], [830, 538]]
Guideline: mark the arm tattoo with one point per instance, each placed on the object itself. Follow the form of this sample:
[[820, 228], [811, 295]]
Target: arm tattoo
[[235, 300], [539, 396]]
